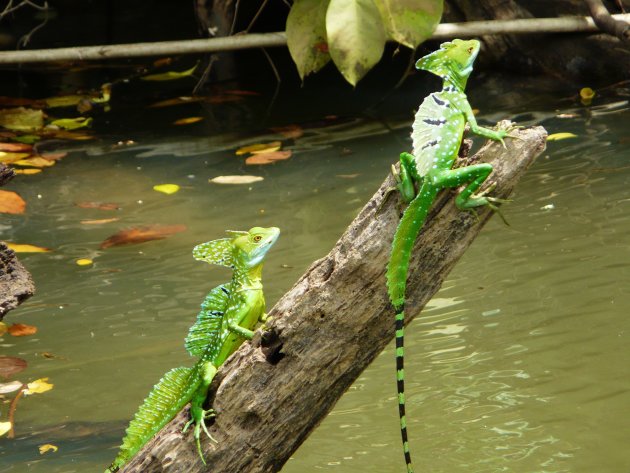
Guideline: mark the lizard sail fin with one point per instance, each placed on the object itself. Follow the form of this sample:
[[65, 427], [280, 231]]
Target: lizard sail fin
[[206, 329], [218, 252], [166, 399]]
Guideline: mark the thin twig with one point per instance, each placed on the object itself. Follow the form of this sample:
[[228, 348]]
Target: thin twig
[[12, 409], [260, 9], [605, 21]]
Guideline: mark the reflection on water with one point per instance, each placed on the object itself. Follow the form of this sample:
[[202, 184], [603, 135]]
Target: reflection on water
[[519, 364]]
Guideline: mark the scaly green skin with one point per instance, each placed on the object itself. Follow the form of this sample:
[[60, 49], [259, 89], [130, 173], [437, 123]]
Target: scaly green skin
[[437, 135], [228, 315]]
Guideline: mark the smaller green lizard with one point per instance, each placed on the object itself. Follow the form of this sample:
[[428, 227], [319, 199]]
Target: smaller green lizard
[[228, 315]]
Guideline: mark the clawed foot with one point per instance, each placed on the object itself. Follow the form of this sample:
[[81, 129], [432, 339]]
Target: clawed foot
[[491, 201], [198, 425]]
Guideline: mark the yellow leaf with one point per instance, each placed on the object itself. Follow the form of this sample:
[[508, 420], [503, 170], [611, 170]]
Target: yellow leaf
[[25, 248], [36, 162], [166, 188], [259, 148], [84, 261], [560, 136], [587, 93], [27, 171], [8, 157], [38, 386], [21, 119], [187, 121], [235, 179], [170, 75], [4, 428], [72, 123], [47, 448], [3, 328]]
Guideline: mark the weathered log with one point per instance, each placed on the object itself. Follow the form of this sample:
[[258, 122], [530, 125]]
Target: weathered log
[[16, 283], [326, 330]]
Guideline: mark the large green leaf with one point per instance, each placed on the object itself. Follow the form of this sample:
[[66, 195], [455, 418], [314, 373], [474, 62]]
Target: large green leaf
[[356, 36], [410, 22], [306, 35]]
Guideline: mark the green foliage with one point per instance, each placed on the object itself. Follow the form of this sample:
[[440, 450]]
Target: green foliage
[[353, 32]]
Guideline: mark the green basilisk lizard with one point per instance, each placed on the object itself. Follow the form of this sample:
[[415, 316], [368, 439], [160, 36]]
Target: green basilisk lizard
[[227, 317], [437, 134]]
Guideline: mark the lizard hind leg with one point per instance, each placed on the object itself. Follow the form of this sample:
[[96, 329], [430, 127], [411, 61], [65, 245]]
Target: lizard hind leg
[[198, 414]]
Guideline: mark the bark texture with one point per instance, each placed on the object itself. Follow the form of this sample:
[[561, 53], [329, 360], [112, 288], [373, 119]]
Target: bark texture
[[326, 330], [16, 283]]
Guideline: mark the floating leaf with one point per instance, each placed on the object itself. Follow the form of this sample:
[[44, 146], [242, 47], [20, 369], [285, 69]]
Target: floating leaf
[[72, 123], [21, 119], [16, 147], [259, 148], [21, 102], [356, 36], [236, 179], [26, 248], [347, 176], [8, 157], [560, 136], [47, 448], [4, 428], [269, 157], [11, 387], [27, 171], [54, 156], [306, 33], [10, 365], [22, 330], [187, 121], [99, 221], [36, 162], [68, 135], [166, 188], [3, 328], [142, 234], [38, 386], [170, 75], [587, 93], [176, 101], [98, 205], [289, 131], [11, 203], [84, 261]]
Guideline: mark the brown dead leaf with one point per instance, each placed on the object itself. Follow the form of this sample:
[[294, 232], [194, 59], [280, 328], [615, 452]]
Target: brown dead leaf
[[142, 234], [289, 131], [54, 156], [35, 162], [268, 158], [176, 101], [187, 120], [16, 147], [10, 365], [11, 203], [99, 221], [22, 330], [98, 205]]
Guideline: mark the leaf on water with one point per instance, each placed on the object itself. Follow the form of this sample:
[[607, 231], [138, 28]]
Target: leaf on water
[[3, 328], [22, 330], [11, 203], [35, 162], [348, 176], [306, 33], [54, 156], [289, 131], [16, 147], [25, 248], [10, 365], [166, 188], [142, 234], [21, 119], [10, 387], [4, 428], [72, 123], [236, 179], [38, 386], [560, 136], [170, 75], [187, 121], [410, 22], [21, 102], [99, 221], [356, 36], [259, 148], [84, 262], [47, 448], [268, 157], [98, 205], [587, 93], [27, 171], [68, 135], [8, 157], [176, 101]]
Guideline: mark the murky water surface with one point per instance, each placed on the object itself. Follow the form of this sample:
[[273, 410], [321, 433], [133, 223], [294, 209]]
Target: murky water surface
[[519, 364]]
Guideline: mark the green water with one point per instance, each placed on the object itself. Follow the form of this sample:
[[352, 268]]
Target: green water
[[519, 364]]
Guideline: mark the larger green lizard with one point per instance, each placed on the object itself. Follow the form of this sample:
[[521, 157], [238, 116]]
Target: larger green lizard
[[437, 135], [228, 315]]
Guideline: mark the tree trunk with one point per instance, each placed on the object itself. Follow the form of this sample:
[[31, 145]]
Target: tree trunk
[[327, 329]]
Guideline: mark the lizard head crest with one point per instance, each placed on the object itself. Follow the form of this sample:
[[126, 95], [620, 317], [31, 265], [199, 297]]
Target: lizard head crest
[[453, 62]]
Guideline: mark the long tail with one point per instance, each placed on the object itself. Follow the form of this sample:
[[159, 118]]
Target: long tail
[[165, 400], [410, 225]]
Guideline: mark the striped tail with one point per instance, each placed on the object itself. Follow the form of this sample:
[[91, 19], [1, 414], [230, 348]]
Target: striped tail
[[410, 225]]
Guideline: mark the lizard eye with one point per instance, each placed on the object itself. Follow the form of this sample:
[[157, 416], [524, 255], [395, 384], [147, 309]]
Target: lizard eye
[[470, 50], [257, 238]]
